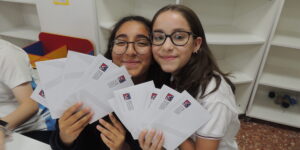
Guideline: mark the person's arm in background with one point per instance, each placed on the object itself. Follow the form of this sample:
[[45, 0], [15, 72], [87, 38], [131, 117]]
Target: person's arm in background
[[26, 109], [15, 74]]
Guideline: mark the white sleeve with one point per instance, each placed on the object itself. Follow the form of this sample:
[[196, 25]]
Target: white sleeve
[[15, 69], [217, 126]]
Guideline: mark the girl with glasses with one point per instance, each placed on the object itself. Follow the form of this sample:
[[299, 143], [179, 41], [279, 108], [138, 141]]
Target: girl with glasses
[[129, 45], [180, 48]]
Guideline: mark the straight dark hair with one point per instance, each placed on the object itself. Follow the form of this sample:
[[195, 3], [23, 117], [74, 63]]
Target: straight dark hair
[[154, 72], [201, 67]]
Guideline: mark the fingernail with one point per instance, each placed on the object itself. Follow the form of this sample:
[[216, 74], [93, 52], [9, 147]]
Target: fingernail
[[86, 109], [92, 112], [101, 120], [98, 127], [111, 115]]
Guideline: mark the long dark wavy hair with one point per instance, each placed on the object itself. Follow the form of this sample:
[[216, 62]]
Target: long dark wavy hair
[[154, 72], [201, 67]]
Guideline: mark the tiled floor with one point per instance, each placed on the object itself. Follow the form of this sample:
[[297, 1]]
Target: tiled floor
[[261, 135]]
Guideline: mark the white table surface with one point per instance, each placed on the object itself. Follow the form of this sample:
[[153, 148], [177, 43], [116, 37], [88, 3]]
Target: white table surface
[[21, 142]]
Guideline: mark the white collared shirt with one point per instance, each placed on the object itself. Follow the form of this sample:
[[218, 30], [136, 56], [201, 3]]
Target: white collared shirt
[[14, 70], [224, 124]]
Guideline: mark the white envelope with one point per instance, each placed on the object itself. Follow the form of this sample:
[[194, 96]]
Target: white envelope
[[99, 67], [50, 73], [38, 95], [131, 103], [167, 97], [113, 104], [76, 65], [116, 108], [152, 96], [96, 94], [181, 121]]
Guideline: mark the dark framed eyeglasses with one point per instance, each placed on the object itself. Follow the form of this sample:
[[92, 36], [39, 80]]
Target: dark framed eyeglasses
[[141, 46], [178, 38]]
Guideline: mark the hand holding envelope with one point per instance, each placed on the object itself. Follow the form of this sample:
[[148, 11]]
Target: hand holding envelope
[[92, 83], [105, 87], [176, 115]]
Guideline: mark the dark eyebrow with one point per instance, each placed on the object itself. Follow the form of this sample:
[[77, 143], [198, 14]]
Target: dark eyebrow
[[121, 35], [179, 29], [158, 30], [175, 30], [142, 36]]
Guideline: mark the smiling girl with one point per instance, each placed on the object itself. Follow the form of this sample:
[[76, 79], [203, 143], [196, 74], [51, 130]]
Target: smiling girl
[[179, 46]]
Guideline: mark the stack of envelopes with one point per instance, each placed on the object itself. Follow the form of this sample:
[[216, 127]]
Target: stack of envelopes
[[105, 88]]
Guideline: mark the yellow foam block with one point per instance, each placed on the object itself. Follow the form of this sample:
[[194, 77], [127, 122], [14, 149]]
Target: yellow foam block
[[60, 52], [33, 59], [43, 59]]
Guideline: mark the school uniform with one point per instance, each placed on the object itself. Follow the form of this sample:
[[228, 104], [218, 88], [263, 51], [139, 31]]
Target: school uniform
[[224, 124]]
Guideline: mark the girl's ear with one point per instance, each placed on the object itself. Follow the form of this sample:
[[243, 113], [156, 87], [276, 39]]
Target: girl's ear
[[197, 44]]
